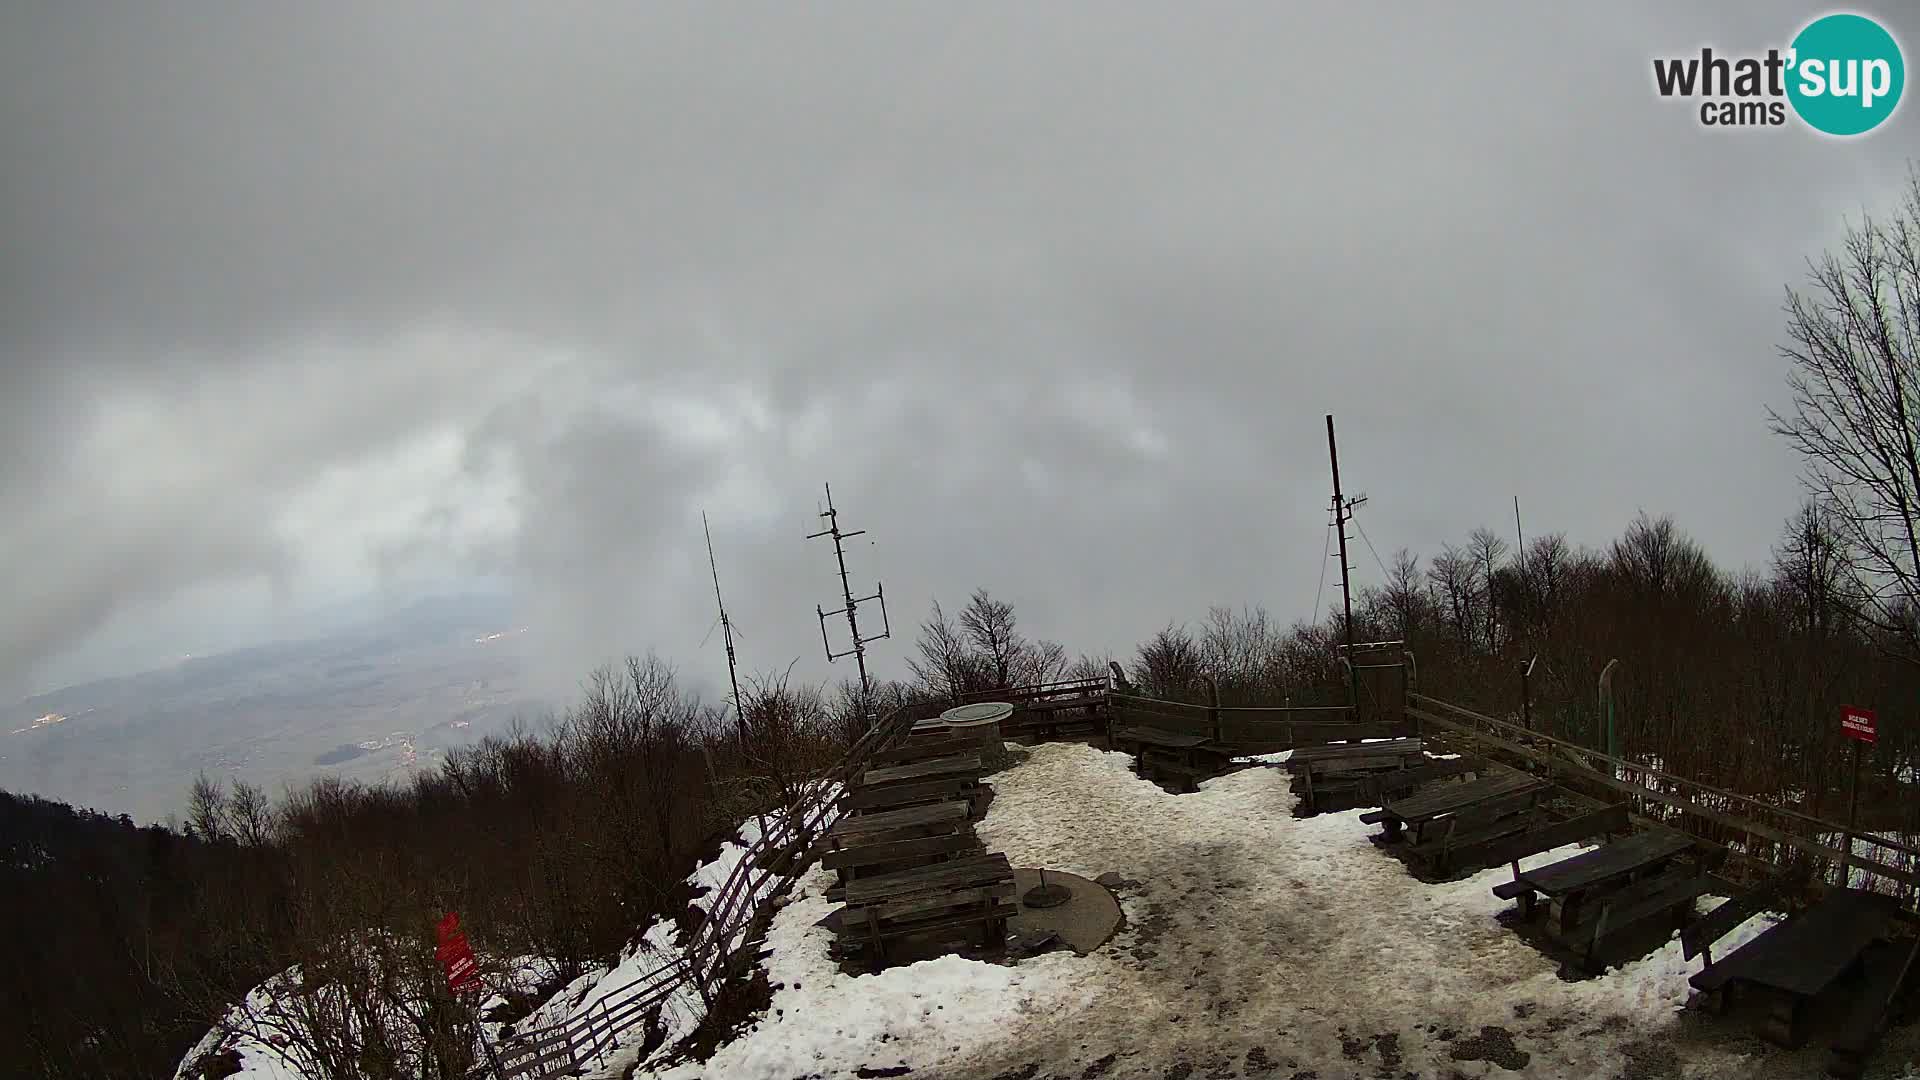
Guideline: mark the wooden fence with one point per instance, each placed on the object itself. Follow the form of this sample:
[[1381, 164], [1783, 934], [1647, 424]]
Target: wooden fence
[[1252, 730], [1763, 835], [714, 950]]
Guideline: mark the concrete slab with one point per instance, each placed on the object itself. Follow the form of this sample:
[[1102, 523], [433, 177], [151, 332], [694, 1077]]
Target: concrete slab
[[1088, 918]]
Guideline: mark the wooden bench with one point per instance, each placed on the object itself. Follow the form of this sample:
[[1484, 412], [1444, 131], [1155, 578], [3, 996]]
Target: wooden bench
[[1511, 849], [1889, 970], [1459, 838], [1422, 807], [1798, 959], [1569, 882], [942, 898]]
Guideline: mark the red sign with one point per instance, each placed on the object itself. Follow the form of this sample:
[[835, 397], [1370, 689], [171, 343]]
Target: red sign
[[1858, 723], [463, 972]]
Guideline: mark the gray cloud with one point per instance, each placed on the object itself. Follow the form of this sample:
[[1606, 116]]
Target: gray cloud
[[335, 295]]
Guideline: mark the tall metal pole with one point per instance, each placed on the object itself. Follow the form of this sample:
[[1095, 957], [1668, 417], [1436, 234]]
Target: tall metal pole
[[1346, 582], [726, 632], [1521, 551], [859, 649]]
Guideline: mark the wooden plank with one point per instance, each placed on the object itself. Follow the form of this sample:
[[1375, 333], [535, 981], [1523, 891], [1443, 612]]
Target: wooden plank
[[1606, 863], [1358, 767], [954, 874], [1386, 747], [1610, 820], [853, 858], [895, 795], [1804, 954], [938, 903], [963, 764], [854, 825]]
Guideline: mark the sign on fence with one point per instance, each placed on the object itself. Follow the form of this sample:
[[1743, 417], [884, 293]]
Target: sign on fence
[[463, 972], [1858, 723]]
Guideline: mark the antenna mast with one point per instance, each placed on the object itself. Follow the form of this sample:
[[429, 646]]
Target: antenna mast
[[851, 611], [1342, 513], [726, 632]]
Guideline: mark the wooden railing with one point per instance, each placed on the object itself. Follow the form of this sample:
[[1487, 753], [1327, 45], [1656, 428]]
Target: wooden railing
[[713, 950], [1754, 830], [1256, 729]]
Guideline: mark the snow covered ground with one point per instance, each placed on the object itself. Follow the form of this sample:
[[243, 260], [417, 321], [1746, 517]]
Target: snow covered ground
[[1256, 945]]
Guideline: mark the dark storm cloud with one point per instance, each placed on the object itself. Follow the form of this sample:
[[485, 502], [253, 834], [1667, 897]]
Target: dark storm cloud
[[1055, 295]]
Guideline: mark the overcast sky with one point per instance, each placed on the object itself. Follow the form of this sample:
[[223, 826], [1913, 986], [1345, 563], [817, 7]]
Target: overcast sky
[[301, 302]]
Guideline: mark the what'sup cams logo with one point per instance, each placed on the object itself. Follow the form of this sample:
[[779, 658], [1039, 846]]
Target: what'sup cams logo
[[1842, 75]]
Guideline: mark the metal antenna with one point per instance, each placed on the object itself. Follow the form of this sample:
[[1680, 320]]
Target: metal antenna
[[851, 611], [1342, 513], [726, 631]]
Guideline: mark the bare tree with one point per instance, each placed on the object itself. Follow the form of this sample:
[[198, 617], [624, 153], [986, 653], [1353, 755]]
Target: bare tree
[[947, 664], [249, 815], [1487, 549], [1456, 577], [206, 809], [1854, 341]]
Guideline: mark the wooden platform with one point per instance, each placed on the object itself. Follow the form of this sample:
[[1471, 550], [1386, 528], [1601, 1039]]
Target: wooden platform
[[1174, 758]]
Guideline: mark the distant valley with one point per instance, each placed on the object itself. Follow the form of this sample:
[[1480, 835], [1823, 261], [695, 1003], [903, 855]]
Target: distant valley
[[369, 704]]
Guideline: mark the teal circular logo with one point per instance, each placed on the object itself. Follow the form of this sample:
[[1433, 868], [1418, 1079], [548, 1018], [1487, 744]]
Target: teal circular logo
[[1846, 74]]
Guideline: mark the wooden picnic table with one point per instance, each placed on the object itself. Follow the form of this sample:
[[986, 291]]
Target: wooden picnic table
[[961, 894], [937, 768], [1422, 807], [1605, 864], [1801, 957], [1190, 758], [1569, 881]]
